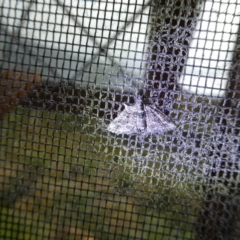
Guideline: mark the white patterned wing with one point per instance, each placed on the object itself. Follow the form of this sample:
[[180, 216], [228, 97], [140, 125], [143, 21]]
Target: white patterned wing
[[130, 121], [156, 121]]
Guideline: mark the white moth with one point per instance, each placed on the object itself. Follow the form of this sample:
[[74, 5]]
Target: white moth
[[140, 118]]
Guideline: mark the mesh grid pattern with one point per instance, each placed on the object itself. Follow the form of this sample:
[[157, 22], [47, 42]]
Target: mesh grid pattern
[[68, 68]]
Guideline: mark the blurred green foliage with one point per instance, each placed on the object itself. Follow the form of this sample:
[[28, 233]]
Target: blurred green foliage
[[63, 176]]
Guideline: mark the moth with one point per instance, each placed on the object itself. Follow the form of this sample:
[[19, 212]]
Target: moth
[[140, 118]]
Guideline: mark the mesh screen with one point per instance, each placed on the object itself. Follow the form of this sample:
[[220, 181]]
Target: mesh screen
[[119, 119]]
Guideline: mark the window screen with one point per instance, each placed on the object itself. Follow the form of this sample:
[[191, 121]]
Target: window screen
[[119, 119]]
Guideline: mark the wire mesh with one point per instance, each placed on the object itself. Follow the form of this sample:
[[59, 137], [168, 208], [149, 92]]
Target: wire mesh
[[71, 68]]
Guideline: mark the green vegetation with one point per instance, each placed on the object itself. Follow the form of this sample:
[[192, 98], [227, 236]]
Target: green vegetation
[[63, 176]]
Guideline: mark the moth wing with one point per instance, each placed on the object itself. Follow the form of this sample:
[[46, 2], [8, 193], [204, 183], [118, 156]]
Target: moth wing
[[129, 121], [156, 121]]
